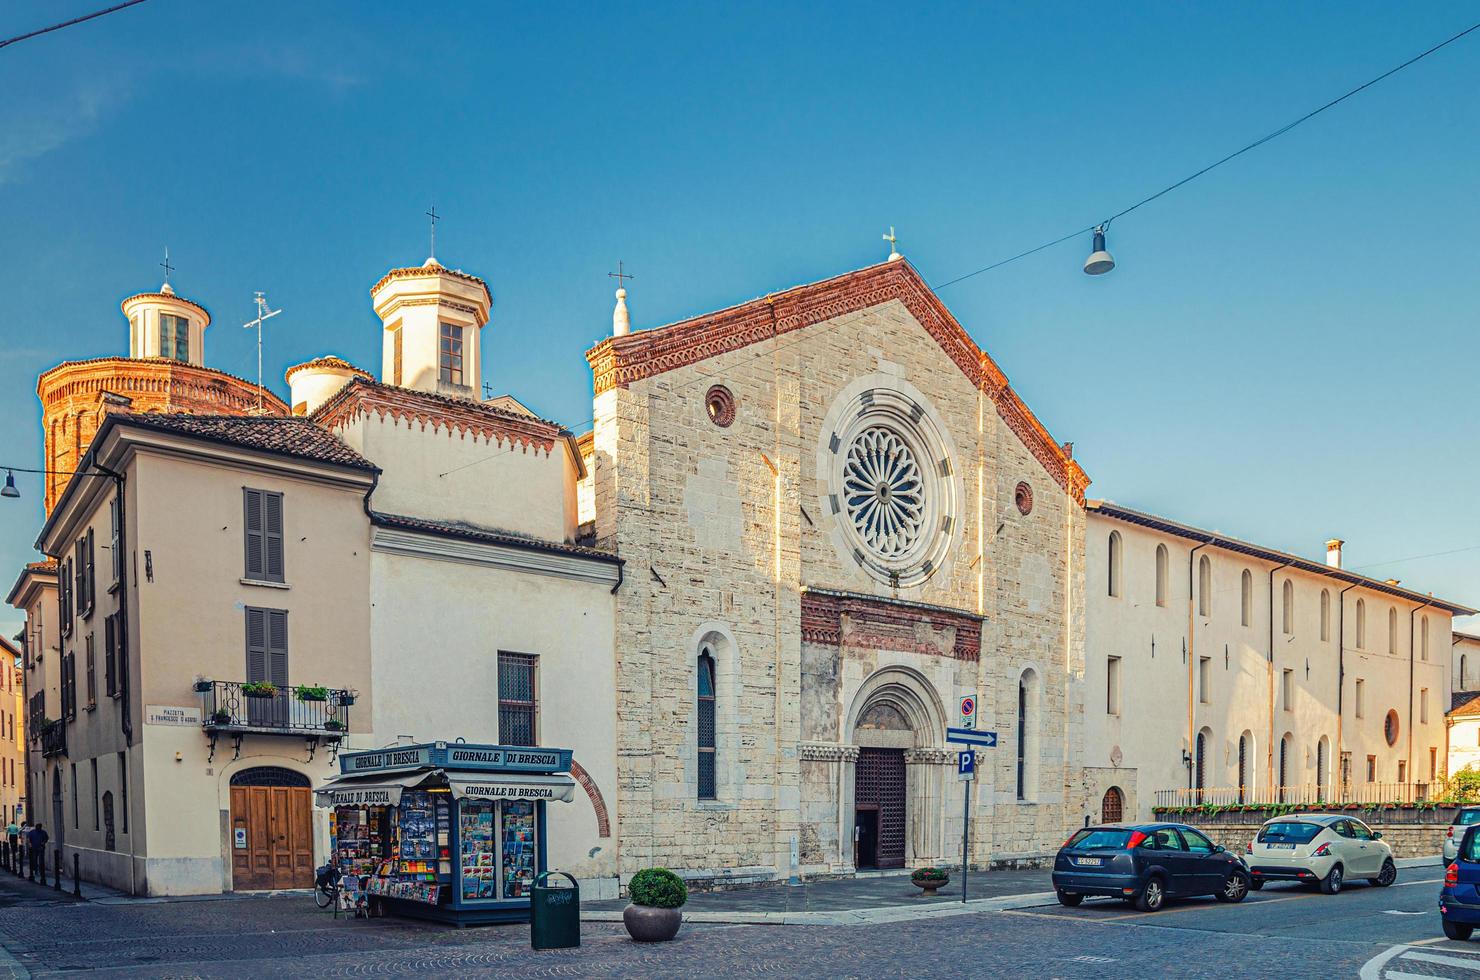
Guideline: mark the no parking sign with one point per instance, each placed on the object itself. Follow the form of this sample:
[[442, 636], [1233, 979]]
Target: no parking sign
[[968, 712]]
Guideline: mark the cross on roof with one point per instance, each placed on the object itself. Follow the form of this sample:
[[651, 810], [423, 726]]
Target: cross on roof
[[432, 213], [166, 265], [619, 275], [893, 243]]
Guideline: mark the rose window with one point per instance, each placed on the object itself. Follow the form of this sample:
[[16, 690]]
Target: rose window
[[884, 492]]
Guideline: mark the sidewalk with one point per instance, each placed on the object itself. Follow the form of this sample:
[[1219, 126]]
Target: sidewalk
[[869, 898], [872, 898]]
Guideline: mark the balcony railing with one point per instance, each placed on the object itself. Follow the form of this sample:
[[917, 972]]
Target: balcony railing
[[228, 708], [54, 739], [1310, 793]]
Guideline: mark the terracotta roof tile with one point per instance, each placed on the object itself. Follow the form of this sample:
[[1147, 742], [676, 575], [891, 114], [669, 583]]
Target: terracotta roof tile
[[1464, 703], [326, 361], [272, 434], [473, 532]]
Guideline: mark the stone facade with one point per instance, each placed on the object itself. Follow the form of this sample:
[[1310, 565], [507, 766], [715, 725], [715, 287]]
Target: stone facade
[[735, 543]]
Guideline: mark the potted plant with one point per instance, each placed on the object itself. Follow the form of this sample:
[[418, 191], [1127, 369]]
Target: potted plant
[[312, 692], [347, 698], [203, 685], [657, 896], [259, 689], [334, 725], [929, 879], [221, 717]]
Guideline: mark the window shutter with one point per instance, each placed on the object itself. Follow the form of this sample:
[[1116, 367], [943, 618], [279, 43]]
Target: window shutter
[[110, 651], [277, 647], [272, 530], [254, 533], [92, 576], [256, 644]]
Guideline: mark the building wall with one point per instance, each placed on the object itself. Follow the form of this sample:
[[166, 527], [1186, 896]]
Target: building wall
[[36, 597], [1464, 743], [438, 622], [723, 528], [187, 619], [12, 736], [1465, 653], [1159, 671]]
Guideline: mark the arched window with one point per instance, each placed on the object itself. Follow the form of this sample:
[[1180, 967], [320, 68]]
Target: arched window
[[1204, 587], [1200, 775], [706, 725], [1423, 632], [1246, 599], [1325, 615], [1114, 570], [1027, 710], [1392, 631], [1288, 592], [1161, 576], [1112, 807], [1322, 748], [1462, 659], [1361, 624], [1284, 765]]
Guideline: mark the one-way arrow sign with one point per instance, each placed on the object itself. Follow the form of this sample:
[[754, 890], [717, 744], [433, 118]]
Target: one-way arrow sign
[[970, 736]]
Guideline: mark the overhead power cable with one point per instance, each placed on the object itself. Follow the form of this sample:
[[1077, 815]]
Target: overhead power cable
[[1220, 162], [69, 23]]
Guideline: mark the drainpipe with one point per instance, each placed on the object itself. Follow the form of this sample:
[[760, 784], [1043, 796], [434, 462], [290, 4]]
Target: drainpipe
[[1192, 663], [1269, 668], [121, 653], [1341, 672], [1412, 614]]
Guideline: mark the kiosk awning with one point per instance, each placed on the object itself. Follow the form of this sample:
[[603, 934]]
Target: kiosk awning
[[382, 790], [512, 786]]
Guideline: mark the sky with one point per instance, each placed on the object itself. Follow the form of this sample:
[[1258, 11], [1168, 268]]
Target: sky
[[1285, 351]]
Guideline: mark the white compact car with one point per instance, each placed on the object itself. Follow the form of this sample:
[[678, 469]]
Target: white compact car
[[1322, 849], [1463, 819]]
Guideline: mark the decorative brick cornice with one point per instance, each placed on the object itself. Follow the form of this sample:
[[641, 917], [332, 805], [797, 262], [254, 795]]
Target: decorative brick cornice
[[426, 271], [362, 398], [827, 752], [620, 361], [844, 619], [326, 361]]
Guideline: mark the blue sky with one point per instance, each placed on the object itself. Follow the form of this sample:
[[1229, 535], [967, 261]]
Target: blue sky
[[1286, 351]]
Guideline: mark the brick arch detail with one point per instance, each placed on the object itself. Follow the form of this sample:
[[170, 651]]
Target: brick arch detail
[[598, 802]]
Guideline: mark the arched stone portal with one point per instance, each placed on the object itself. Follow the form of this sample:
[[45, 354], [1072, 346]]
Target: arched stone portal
[[894, 814]]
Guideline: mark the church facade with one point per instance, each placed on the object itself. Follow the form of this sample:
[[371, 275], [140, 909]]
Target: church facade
[[837, 519]]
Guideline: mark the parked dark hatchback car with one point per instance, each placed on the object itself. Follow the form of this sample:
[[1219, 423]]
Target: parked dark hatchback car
[[1146, 864], [1459, 899]]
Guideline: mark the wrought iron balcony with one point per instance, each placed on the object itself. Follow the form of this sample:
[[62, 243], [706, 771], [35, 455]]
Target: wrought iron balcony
[[54, 739], [239, 707]]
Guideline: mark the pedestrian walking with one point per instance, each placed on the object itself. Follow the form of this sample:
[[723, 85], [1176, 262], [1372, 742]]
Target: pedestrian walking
[[13, 837], [36, 843]]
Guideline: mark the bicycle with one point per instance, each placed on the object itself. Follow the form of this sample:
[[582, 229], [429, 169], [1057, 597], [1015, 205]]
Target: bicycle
[[326, 885]]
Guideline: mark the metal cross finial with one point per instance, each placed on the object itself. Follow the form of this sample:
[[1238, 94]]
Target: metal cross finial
[[434, 216], [893, 243], [166, 265], [619, 275]]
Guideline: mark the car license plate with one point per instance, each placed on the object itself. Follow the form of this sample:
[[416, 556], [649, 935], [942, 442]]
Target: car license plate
[[1287, 847], [1088, 862]]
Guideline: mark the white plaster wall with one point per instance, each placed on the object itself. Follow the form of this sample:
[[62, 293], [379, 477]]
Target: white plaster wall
[[1464, 744], [437, 629], [492, 484], [311, 387], [1245, 690]]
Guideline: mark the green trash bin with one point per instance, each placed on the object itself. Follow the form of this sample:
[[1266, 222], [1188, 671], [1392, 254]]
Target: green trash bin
[[554, 913]]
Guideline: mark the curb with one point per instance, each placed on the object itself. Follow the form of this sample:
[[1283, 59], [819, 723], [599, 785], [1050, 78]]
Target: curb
[[851, 917]]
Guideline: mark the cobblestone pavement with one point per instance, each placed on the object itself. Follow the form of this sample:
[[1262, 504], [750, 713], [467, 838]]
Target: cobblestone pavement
[[1279, 932]]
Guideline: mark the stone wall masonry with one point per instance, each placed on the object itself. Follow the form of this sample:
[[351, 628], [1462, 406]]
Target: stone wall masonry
[[1410, 832]]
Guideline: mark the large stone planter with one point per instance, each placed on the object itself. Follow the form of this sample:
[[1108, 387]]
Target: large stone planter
[[651, 925], [928, 886]]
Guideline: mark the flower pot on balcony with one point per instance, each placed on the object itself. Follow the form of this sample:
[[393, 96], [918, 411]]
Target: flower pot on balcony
[[346, 699], [312, 693], [221, 718], [333, 726], [259, 691], [203, 687]]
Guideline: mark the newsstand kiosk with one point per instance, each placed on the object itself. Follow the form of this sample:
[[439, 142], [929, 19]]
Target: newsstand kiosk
[[447, 831]]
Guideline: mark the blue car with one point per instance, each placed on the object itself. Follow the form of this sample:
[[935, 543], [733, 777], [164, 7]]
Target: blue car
[[1459, 899], [1146, 864]]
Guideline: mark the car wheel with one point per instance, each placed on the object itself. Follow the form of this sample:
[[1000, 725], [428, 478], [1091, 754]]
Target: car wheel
[[1386, 876], [1152, 896], [1069, 899], [1331, 884], [1256, 883], [1235, 888], [1457, 930]]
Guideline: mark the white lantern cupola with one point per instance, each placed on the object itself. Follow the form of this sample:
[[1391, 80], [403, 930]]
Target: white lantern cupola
[[164, 324], [432, 318]]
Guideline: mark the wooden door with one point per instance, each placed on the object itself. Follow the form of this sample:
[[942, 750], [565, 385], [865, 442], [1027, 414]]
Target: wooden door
[[271, 838], [880, 782]]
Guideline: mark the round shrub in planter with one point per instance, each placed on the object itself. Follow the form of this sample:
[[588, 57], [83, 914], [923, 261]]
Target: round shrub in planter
[[929, 879], [657, 897]]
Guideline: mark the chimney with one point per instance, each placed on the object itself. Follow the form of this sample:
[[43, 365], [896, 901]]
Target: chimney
[[1333, 552]]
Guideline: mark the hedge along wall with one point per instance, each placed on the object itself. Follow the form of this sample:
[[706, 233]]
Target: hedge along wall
[[1411, 832]]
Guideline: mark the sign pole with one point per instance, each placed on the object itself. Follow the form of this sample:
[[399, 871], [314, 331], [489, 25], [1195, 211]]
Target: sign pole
[[965, 839]]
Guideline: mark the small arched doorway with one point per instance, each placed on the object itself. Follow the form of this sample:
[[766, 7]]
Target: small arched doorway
[[271, 829], [1201, 761], [1112, 807]]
